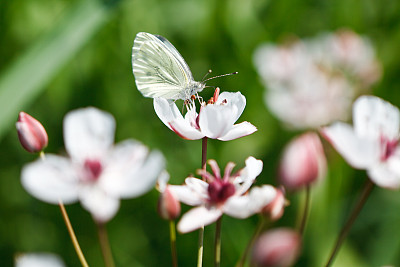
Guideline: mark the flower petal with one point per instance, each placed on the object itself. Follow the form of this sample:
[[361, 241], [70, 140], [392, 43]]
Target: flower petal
[[217, 120], [193, 193], [101, 205], [239, 130], [247, 205], [248, 174], [185, 130], [359, 152], [88, 133], [374, 117], [51, 180], [198, 217], [235, 99], [38, 260], [386, 174], [166, 110], [131, 171]]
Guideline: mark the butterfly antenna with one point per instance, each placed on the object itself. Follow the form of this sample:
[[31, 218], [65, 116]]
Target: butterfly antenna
[[223, 75], [208, 73]]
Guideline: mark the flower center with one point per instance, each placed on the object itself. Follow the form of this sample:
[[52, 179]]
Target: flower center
[[93, 169], [388, 147], [219, 191]]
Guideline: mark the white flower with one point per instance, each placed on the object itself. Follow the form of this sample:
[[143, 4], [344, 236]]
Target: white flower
[[96, 173], [38, 260], [372, 143], [215, 120], [221, 195], [311, 83]]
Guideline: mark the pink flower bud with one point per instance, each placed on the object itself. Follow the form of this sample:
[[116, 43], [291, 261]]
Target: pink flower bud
[[274, 210], [169, 207], [279, 248], [303, 161], [31, 133]]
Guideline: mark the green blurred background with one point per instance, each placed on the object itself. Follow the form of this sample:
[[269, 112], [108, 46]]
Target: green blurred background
[[58, 55]]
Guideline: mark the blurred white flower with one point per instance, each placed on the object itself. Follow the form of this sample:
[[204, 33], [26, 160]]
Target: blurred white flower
[[221, 195], [372, 143], [96, 173], [38, 260], [313, 82], [215, 119]]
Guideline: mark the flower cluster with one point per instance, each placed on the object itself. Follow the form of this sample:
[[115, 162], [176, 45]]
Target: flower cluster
[[312, 82]]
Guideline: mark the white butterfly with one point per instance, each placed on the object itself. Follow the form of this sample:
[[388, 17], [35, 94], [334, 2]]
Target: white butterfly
[[160, 71]]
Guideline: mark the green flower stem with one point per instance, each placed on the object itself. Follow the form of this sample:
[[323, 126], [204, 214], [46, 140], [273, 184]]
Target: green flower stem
[[72, 235], [105, 245], [217, 255], [172, 234], [346, 228], [305, 211], [201, 230], [261, 225]]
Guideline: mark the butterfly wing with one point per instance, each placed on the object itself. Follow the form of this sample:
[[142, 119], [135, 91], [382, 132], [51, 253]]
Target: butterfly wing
[[159, 69]]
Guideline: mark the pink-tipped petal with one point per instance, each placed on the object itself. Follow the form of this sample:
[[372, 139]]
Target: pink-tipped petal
[[167, 111], [198, 217], [239, 130], [185, 130]]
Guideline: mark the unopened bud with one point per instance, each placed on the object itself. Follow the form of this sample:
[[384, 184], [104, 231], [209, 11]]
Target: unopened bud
[[303, 161], [31, 133], [274, 210], [169, 207], [279, 248]]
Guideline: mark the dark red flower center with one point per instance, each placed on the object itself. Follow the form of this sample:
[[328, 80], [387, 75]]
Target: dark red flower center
[[93, 169], [219, 191]]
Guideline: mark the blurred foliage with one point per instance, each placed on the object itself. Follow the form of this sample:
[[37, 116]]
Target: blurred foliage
[[59, 55]]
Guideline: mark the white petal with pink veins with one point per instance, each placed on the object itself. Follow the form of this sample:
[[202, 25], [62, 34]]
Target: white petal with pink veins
[[239, 130], [198, 217], [358, 152], [88, 133], [51, 180], [374, 117]]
